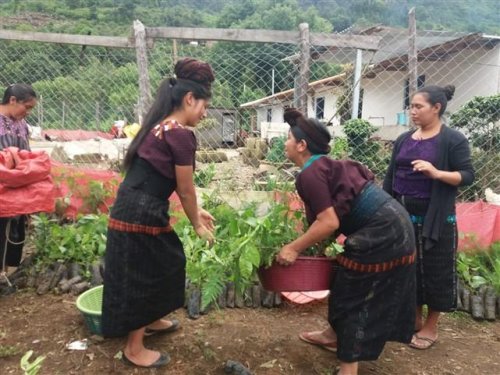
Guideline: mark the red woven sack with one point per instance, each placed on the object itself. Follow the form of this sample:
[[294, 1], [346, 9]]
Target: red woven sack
[[25, 183]]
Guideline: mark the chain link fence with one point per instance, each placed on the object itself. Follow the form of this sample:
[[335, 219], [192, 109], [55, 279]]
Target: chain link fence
[[89, 99]]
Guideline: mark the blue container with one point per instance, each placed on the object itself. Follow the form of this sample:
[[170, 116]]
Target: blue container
[[401, 118]]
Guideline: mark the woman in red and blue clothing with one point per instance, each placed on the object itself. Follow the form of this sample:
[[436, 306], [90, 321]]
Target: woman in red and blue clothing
[[372, 297], [144, 277], [17, 103], [427, 165]]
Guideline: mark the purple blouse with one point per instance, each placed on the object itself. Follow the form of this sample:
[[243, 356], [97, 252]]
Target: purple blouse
[[171, 146], [13, 133], [407, 181], [331, 183]]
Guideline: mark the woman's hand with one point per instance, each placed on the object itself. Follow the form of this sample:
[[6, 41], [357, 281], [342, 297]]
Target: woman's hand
[[426, 168], [203, 232], [287, 255], [205, 227], [206, 219]]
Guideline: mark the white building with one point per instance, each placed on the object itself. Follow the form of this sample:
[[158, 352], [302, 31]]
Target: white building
[[470, 62]]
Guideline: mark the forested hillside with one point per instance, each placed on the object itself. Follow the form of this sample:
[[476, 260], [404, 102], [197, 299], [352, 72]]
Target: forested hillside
[[88, 87], [115, 16]]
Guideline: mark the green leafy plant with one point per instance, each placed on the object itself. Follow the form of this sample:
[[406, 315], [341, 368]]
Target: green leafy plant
[[273, 183], [364, 149], [480, 119], [93, 193], [481, 268], [31, 368], [468, 267], [244, 243], [203, 177], [83, 241], [340, 148]]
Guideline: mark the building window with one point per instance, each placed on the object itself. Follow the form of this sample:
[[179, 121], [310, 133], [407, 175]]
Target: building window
[[269, 115], [420, 84], [320, 108]]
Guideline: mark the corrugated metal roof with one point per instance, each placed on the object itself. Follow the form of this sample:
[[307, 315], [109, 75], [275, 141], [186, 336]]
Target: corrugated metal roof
[[288, 94]]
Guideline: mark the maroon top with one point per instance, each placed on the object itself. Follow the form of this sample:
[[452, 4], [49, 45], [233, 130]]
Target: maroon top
[[331, 183], [407, 181], [173, 145]]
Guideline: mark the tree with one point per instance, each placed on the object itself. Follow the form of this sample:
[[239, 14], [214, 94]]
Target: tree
[[480, 118]]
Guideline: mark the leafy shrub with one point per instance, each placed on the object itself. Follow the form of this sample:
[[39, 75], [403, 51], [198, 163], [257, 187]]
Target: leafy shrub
[[82, 242], [340, 148], [480, 119], [358, 131], [364, 149]]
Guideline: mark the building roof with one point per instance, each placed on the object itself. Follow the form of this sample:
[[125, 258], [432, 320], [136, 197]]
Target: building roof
[[392, 53], [279, 97]]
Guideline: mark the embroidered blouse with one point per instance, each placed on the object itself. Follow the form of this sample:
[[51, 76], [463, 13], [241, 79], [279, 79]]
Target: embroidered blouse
[[167, 145], [13, 133]]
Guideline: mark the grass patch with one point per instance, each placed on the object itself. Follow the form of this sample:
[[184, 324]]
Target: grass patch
[[459, 315], [9, 351]]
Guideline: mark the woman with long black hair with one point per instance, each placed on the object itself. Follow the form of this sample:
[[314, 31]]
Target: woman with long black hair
[[144, 276]]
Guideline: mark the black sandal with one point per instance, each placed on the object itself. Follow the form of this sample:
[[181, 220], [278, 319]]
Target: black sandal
[[162, 361], [174, 327]]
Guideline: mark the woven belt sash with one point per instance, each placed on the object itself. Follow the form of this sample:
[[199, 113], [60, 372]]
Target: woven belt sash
[[123, 226], [364, 206], [416, 219], [374, 267]]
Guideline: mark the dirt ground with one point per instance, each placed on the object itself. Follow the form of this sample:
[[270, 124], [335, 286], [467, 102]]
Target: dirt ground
[[264, 340]]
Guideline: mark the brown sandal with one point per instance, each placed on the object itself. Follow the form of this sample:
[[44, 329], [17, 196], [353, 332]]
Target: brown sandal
[[428, 342], [306, 337]]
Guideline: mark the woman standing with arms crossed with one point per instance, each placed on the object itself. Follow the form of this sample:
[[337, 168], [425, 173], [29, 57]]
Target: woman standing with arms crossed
[[145, 262], [17, 103], [373, 295], [427, 166]]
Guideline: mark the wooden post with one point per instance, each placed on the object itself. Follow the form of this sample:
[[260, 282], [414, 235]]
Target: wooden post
[[412, 53], [174, 51], [142, 66], [302, 81]]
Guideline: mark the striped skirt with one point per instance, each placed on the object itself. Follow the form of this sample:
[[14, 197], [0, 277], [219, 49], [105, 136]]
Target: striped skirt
[[372, 299], [436, 264], [144, 276]]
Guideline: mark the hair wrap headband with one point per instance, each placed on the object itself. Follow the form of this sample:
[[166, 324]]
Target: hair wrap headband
[[302, 128], [311, 133]]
